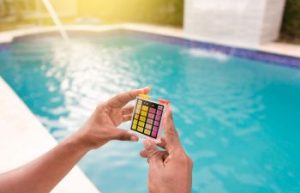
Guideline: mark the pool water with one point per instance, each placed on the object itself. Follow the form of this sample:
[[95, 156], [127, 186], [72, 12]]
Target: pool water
[[238, 119]]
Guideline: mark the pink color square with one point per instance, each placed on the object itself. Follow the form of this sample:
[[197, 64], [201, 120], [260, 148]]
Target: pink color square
[[150, 121], [148, 126], [155, 129], [160, 107], [150, 115], [156, 123], [158, 112], [157, 118], [152, 110], [154, 134]]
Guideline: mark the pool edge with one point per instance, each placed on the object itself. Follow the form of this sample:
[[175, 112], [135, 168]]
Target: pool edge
[[278, 56], [23, 138]]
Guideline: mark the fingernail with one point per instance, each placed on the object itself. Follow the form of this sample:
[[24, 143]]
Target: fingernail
[[134, 138], [146, 88], [148, 144]]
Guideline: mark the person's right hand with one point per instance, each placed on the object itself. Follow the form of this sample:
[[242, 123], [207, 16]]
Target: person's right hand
[[169, 170], [102, 126]]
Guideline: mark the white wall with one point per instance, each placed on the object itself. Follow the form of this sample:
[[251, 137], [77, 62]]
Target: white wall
[[235, 22]]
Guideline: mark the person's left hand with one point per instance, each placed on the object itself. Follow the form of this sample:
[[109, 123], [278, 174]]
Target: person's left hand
[[101, 127]]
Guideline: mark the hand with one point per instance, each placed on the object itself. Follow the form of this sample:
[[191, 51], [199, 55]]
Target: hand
[[101, 127], [169, 170]]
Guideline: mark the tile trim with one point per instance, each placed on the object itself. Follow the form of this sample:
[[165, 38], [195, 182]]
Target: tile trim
[[231, 51]]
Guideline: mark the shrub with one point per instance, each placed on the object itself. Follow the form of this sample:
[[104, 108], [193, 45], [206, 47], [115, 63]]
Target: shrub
[[290, 30]]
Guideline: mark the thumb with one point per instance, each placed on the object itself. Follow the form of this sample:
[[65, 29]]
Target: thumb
[[123, 135], [171, 136]]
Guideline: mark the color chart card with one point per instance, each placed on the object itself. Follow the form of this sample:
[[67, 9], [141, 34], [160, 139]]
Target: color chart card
[[147, 117]]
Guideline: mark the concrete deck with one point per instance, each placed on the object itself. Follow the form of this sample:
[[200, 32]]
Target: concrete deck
[[24, 138], [274, 47]]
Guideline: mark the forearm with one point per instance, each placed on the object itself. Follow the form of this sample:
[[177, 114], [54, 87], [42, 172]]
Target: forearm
[[42, 174]]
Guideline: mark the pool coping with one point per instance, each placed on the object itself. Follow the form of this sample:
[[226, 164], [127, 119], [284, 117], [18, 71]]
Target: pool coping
[[24, 138], [247, 53]]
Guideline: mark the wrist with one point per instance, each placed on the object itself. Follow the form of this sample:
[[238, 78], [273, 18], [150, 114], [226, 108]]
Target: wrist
[[85, 138], [79, 142]]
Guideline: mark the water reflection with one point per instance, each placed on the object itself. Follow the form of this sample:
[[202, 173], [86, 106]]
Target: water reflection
[[232, 115]]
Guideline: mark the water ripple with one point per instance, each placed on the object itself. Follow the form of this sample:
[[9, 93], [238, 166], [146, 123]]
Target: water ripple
[[238, 119]]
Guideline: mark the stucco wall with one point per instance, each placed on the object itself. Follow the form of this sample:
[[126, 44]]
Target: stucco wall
[[242, 22]]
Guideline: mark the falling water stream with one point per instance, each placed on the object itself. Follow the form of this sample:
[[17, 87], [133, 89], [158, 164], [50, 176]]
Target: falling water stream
[[56, 19]]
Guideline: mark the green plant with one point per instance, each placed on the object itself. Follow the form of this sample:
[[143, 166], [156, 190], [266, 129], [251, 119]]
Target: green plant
[[291, 21]]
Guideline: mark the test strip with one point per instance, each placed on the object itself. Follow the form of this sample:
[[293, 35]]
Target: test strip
[[147, 117]]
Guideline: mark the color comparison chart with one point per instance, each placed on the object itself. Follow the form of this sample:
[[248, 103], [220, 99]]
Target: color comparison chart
[[147, 117]]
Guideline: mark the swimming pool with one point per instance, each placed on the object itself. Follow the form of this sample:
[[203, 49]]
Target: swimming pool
[[237, 118]]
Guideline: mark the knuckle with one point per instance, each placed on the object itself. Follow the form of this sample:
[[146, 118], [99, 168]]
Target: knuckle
[[171, 131], [190, 161], [124, 137], [152, 154], [102, 107], [131, 95], [99, 107], [184, 158]]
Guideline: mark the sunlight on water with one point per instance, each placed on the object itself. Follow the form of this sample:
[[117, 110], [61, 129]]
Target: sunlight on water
[[207, 54]]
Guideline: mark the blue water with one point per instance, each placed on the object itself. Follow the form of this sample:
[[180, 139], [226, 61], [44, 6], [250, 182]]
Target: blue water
[[238, 119]]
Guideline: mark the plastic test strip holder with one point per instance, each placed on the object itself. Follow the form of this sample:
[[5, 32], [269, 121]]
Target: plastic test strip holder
[[147, 117]]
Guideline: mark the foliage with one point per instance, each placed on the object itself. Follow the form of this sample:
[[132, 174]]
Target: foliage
[[168, 12], [164, 12], [291, 21]]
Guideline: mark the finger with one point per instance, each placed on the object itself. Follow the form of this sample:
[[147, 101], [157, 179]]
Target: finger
[[154, 156], [123, 98], [168, 121], [171, 135], [162, 143], [123, 135], [148, 149], [126, 117], [144, 153], [127, 110]]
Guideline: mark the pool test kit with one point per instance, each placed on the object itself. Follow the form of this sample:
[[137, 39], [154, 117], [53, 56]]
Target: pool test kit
[[147, 117]]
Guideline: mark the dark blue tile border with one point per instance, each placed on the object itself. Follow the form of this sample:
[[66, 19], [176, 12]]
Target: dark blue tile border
[[231, 51], [238, 52], [4, 46]]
